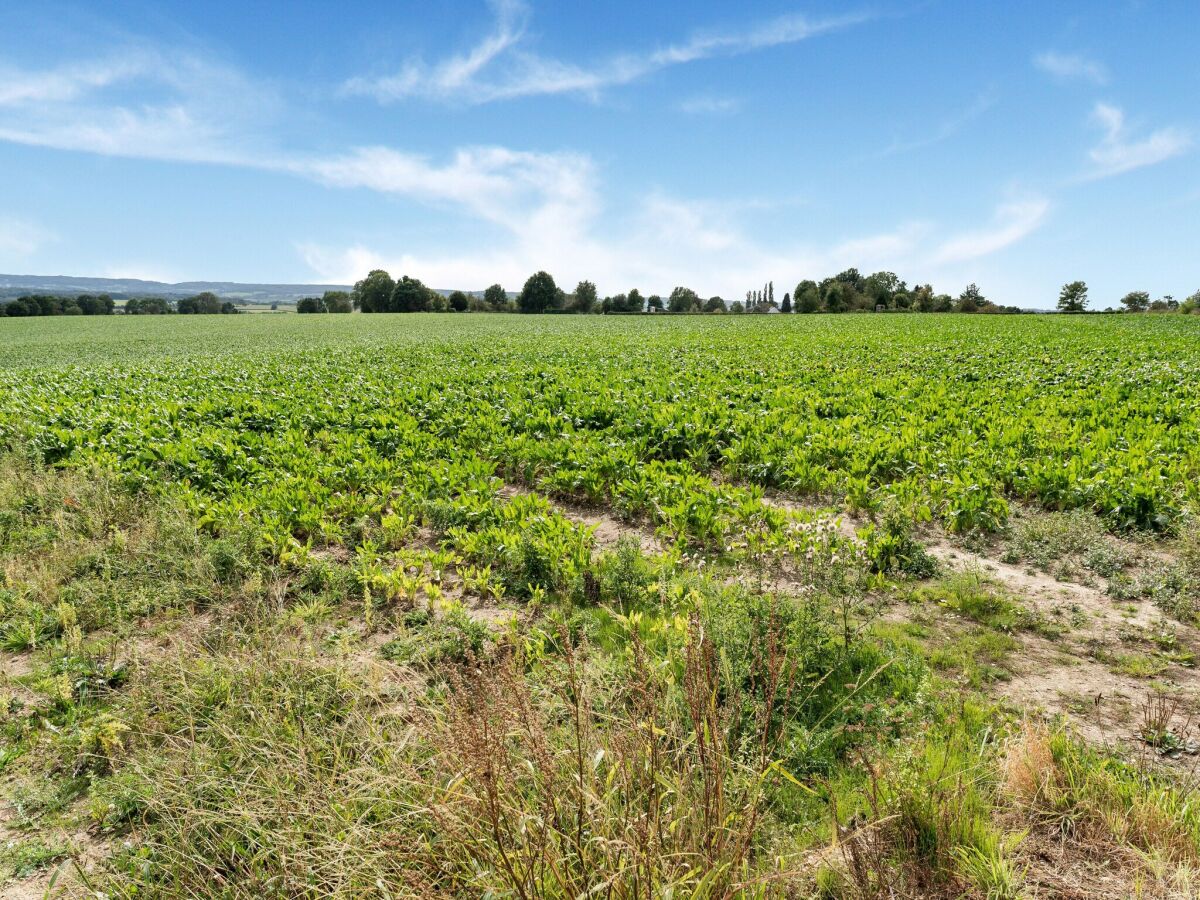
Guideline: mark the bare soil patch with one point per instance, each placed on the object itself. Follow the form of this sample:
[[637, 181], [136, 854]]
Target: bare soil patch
[[1079, 674]]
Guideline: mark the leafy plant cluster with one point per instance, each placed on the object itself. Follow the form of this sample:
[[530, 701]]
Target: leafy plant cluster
[[313, 430]]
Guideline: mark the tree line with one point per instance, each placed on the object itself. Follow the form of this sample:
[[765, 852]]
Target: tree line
[[206, 303], [848, 291], [329, 302], [49, 305], [1073, 298]]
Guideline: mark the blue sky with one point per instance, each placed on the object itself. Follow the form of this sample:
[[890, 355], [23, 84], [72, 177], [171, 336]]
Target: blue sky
[[1018, 144]]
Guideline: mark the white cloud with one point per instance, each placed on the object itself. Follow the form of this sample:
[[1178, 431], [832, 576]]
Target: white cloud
[[1117, 152], [1012, 222], [456, 72], [499, 69], [516, 189], [201, 111], [20, 238], [541, 206], [1071, 67], [708, 105], [879, 251], [66, 82], [668, 241]]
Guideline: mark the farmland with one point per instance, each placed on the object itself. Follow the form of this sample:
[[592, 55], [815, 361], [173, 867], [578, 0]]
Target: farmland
[[453, 606]]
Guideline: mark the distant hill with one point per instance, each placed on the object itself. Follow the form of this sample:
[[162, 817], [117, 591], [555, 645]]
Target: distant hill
[[122, 288]]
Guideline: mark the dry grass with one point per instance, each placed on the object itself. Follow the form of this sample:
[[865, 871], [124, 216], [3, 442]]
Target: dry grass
[[1101, 805]]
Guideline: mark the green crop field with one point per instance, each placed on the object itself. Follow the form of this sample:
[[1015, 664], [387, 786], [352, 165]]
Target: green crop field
[[562, 606], [313, 424]]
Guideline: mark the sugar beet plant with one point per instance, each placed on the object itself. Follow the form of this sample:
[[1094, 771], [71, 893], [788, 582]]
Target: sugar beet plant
[[318, 429]]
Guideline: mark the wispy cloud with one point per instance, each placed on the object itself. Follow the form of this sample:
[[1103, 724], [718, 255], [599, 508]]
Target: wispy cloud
[[64, 83], [1071, 67], [210, 114], [709, 105], [456, 73], [140, 103], [525, 193], [20, 238], [499, 68], [1118, 152], [945, 130], [1013, 221]]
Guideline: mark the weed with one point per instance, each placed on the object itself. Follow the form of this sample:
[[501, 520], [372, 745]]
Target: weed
[[970, 596], [22, 858], [1138, 665]]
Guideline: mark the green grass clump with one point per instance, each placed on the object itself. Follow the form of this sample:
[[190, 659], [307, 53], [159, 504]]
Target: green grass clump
[[1138, 665], [925, 823], [22, 858], [427, 640], [974, 598]]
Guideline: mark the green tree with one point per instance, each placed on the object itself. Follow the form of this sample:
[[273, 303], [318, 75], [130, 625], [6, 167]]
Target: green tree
[[881, 288], [1073, 297], [337, 302], [459, 301], [147, 306], [308, 305], [408, 295], [101, 305], [971, 299], [833, 295], [496, 298], [852, 278], [204, 304], [635, 302], [922, 298], [807, 297], [1136, 301], [539, 294], [654, 303], [683, 299], [714, 305], [585, 297], [786, 305], [374, 293]]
